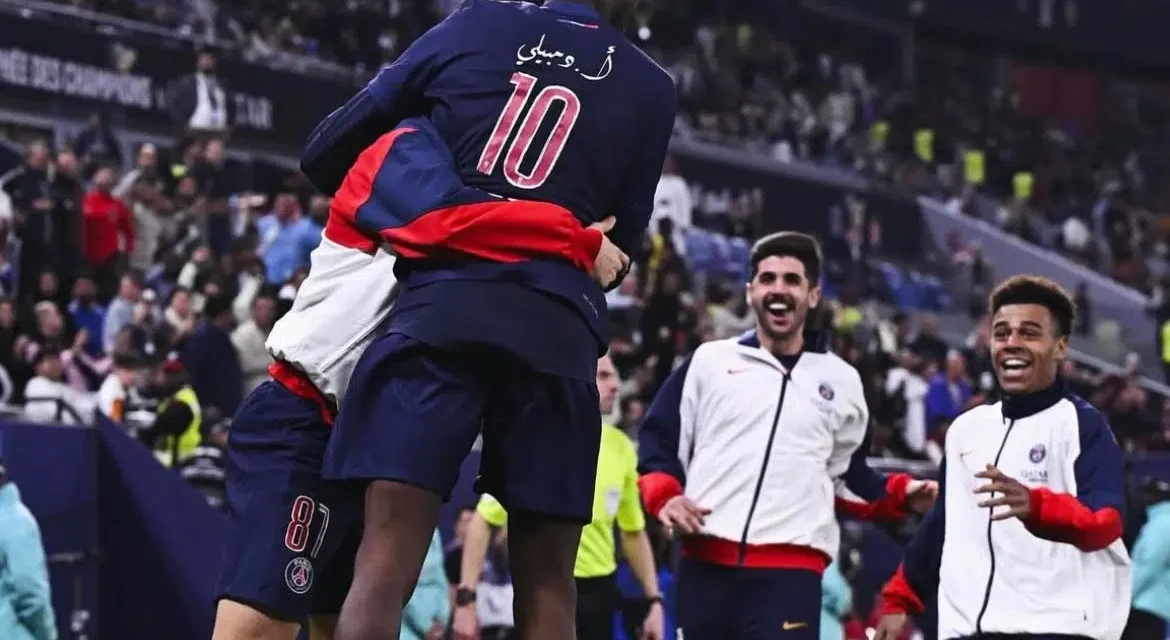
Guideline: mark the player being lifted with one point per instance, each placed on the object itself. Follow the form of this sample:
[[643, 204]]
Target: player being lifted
[[293, 538], [544, 103]]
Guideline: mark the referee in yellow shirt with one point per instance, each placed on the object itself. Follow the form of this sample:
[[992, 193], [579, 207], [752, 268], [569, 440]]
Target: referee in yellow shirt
[[615, 500]]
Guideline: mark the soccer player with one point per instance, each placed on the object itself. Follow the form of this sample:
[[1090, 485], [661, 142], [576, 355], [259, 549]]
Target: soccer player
[[615, 501], [546, 103], [293, 537], [1025, 539], [742, 450]]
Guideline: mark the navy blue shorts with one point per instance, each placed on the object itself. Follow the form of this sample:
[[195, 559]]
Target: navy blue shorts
[[413, 411], [293, 537], [716, 601]]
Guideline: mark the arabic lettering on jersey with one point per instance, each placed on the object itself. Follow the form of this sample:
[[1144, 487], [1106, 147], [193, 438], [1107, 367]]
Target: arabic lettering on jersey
[[538, 55]]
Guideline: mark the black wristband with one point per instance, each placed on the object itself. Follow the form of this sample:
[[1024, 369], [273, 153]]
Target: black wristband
[[656, 600], [464, 596]]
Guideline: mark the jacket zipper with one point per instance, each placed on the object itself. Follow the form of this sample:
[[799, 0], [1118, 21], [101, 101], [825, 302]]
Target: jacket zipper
[[990, 548], [743, 543]]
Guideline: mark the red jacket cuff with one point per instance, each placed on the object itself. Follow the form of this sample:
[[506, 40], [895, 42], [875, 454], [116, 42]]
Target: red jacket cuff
[[1061, 517], [898, 597], [586, 245], [657, 488]]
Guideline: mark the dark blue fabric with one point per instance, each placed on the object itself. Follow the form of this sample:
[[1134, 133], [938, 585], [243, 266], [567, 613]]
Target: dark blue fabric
[[923, 556], [869, 485], [658, 437], [467, 71], [413, 412], [276, 447], [717, 601], [1100, 469], [56, 470], [143, 546], [214, 368]]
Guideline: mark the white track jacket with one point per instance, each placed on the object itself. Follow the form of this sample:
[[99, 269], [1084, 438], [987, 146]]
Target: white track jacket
[[1065, 569], [763, 448]]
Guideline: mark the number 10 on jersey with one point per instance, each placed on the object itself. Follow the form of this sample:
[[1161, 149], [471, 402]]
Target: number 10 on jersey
[[551, 148]]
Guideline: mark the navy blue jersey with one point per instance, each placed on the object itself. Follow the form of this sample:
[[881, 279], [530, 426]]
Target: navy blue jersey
[[536, 103]]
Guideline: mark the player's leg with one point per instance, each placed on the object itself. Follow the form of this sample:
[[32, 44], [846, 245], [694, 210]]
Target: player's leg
[[332, 586], [541, 438], [411, 415], [285, 524], [705, 597], [778, 604]]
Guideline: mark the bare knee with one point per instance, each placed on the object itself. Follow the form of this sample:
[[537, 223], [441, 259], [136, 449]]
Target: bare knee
[[322, 627], [237, 621]]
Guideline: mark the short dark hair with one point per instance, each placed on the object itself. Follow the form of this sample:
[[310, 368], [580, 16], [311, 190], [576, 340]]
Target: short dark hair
[[789, 244], [1039, 290]]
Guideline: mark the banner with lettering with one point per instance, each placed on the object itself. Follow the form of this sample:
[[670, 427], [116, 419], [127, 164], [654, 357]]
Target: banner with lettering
[[71, 69]]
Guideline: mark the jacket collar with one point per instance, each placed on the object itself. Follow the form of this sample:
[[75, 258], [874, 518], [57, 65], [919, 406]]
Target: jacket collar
[[1026, 404], [814, 341], [573, 9]]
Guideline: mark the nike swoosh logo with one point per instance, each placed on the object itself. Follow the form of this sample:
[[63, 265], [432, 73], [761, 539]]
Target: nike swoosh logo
[[789, 626], [735, 371]]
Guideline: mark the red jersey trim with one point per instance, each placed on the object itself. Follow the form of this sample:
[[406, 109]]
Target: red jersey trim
[[758, 556], [1060, 517], [898, 597], [657, 488], [299, 384]]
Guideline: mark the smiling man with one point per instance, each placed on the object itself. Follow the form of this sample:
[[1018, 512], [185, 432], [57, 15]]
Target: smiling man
[[1025, 539], [742, 451]]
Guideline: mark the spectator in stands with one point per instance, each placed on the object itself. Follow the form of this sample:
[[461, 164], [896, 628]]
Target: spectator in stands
[[64, 238], [78, 366], [179, 314], [904, 401], [87, 315], [287, 238], [107, 231], [120, 313], [152, 225], [949, 395], [928, 344], [120, 388], [672, 199], [48, 399], [96, 144], [249, 338], [30, 188], [146, 167], [198, 102], [1150, 611], [216, 184], [26, 606], [211, 360], [176, 432]]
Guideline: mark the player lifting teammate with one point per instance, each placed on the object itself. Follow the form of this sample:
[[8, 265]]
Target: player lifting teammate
[[544, 103]]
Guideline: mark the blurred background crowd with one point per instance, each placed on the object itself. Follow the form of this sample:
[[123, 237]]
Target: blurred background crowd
[[148, 245]]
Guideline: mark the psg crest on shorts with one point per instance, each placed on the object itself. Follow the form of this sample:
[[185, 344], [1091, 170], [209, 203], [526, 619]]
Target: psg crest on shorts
[[826, 391], [298, 575], [1037, 453]]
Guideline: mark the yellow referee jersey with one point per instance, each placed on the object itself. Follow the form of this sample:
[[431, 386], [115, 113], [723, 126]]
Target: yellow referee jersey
[[615, 499]]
